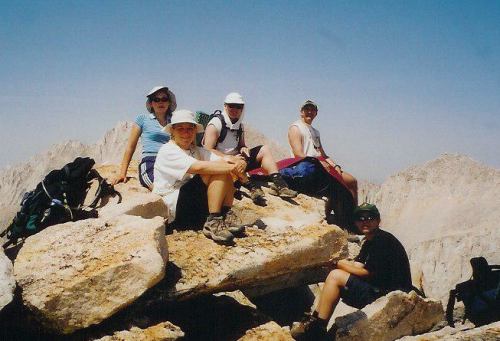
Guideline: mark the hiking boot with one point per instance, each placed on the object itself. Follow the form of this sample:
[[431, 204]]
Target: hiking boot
[[233, 222], [280, 188], [282, 192], [256, 194], [215, 228], [311, 328]]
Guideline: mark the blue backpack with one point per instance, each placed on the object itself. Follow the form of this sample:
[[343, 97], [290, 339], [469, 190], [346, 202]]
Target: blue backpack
[[307, 176]]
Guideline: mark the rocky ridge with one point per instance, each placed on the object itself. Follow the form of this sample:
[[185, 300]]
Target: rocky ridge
[[439, 197]]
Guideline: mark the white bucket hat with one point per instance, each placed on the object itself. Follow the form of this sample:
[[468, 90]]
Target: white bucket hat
[[235, 98], [171, 97], [183, 116]]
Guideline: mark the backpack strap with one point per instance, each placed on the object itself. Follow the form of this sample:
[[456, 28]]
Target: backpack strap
[[224, 129], [450, 306], [103, 189]]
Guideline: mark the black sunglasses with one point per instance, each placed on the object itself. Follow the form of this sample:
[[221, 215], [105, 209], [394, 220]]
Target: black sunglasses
[[365, 218], [159, 99], [235, 105]]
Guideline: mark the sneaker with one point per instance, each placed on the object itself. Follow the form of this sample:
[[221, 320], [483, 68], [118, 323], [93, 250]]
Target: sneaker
[[234, 223], [282, 191], [308, 329], [215, 228]]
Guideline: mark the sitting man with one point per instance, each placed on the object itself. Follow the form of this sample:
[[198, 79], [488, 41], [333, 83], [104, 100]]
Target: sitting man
[[304, 141], [233, 148], [382, 266]]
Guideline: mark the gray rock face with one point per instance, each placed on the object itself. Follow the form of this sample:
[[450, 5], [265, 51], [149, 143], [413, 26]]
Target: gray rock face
[[7, 282], [390, 317], [77, 274], [444, 212], [490, 332], [452, 194], [438, 265]]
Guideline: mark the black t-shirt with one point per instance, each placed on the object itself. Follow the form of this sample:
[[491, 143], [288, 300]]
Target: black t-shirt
[[386, 260]]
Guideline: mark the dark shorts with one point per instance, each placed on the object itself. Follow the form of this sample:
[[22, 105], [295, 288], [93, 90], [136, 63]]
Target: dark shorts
[[146, 170], [192, 205], [357, 293], [252, 162]]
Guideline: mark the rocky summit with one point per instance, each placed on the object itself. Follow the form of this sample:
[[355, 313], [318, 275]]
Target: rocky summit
[[125, 276]]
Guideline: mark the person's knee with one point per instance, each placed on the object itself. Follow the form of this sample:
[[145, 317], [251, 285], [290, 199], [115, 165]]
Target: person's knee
[[264, 151], [338, 277]]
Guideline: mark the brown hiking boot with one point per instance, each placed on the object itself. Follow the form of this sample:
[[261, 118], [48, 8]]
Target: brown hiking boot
[[256, 194], [233, 222], [280, 188], [311, 328], [215, 228], [282, 191]]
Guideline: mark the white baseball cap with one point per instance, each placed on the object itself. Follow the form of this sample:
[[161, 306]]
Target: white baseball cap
[[183, 116], [235, 98]]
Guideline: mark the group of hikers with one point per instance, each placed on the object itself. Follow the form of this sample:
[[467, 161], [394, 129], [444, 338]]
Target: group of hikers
[[197, 185], [197, 182]]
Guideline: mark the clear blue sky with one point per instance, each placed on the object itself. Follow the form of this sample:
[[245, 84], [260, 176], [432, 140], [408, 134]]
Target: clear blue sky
[[397, 82]]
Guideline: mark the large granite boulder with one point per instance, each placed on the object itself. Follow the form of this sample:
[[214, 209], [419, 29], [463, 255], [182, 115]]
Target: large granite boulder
[[268, 331], [390, 317], [7, 282], [260, 259], [77, 274], [490, 332], [288, 249], [164, 331]]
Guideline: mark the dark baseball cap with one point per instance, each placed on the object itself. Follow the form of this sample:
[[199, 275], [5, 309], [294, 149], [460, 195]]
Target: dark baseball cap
[[366, 208]]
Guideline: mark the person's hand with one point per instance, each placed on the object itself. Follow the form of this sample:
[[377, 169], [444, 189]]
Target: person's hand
[[245, 151], [118, 179], [238, 161], [325, 165], [241, 166]]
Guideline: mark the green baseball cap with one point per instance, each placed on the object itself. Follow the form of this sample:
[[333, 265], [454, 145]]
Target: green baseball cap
[[368, 208]]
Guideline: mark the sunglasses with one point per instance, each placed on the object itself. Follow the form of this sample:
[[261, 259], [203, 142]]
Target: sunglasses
[[235, 105], [159, 99], [366, 218]]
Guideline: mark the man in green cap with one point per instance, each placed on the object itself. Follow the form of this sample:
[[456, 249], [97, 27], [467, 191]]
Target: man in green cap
[[382, 266]]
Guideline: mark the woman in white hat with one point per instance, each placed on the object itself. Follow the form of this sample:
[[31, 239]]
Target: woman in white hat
[[196, 185], [160, 103]]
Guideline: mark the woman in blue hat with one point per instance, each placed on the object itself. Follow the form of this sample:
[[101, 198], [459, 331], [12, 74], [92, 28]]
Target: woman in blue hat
[[160, 104]]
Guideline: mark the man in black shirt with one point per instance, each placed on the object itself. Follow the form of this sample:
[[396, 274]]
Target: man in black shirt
[[381, 266]]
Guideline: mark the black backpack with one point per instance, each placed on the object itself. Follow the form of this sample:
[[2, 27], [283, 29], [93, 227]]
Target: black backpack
[[480, 294], [58, 198], [204, 118]]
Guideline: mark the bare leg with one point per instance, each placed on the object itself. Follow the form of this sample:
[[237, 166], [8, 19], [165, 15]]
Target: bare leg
[[352, 184], [266, 160], [229, 198], [330, 294], [219, 189]]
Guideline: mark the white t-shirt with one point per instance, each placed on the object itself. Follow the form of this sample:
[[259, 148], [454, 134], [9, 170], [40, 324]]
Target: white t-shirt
[[310, 139], [170, 171], [230, 144]]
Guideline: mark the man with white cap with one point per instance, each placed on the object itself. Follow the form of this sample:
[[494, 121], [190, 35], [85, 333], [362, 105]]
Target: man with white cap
[[196, 185], [305, 141], [226, 137]]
